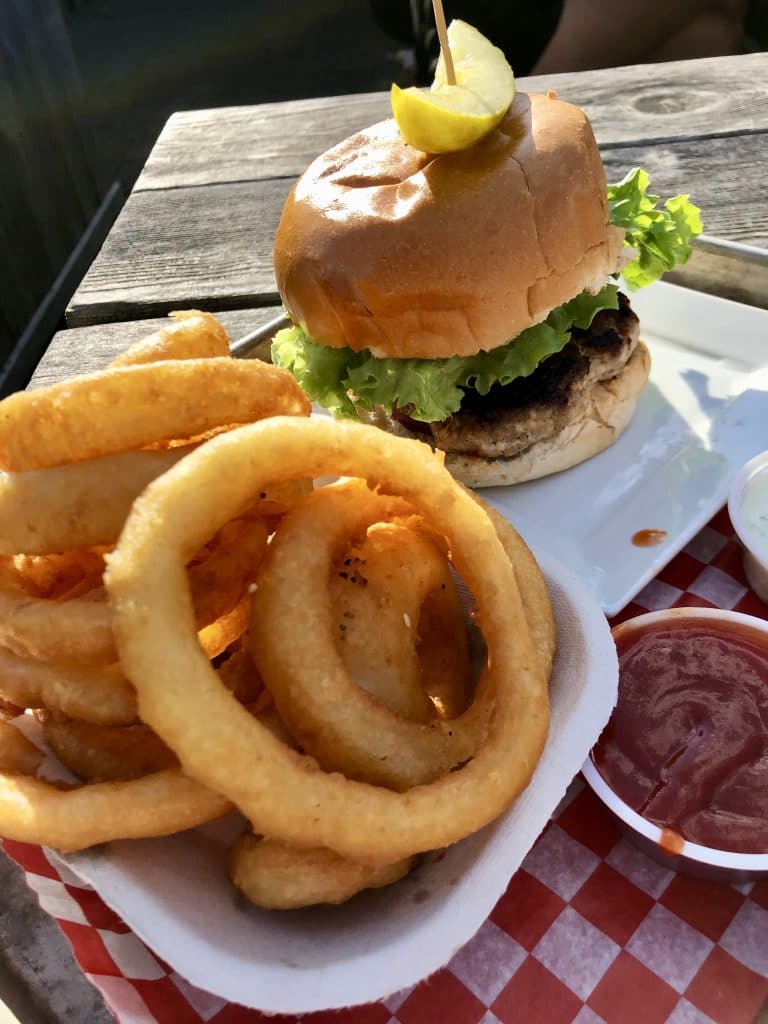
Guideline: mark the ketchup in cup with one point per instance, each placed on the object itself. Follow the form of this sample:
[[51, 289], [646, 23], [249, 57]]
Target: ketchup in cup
[[687, 744]]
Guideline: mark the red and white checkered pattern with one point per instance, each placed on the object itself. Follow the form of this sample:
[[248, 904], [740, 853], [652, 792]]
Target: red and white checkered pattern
[[589, 930]]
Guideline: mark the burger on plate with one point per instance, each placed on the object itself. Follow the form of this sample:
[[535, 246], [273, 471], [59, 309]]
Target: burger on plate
[[469, 298]]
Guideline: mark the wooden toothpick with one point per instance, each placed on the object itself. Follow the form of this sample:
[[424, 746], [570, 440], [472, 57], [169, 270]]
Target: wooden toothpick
[[442, 33]]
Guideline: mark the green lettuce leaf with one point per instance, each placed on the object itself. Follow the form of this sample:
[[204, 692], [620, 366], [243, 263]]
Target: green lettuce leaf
[[662, 237], [344, 381], [320, 371]]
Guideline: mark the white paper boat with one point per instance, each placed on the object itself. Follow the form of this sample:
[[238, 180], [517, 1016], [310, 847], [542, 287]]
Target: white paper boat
[[175, 894]]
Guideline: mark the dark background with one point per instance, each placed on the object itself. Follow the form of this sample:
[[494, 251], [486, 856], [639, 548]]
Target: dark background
[[85, 88]]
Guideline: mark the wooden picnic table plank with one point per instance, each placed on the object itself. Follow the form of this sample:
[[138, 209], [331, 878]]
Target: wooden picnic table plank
[[85, 349], [211, 246], [207, 246], [656, 103]]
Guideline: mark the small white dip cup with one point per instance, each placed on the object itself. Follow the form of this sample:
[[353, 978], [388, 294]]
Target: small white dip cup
[[747, 501], [692, 859]]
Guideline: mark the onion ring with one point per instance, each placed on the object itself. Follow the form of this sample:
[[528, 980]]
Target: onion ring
[[84, 504], [100, 695], [18, 755], [133, 406], [280, 877], [376, 593], [533, 587], [276, 499], [78, 505], [193, 335], [339, 724], [79, 630], [107, 753], [34, 811], [282, 793], [443, 652], [104, 753], [220, 580], [60, 575]]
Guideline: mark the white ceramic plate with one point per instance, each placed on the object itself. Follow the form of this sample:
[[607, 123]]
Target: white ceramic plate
[[703, 414], [175, 895]]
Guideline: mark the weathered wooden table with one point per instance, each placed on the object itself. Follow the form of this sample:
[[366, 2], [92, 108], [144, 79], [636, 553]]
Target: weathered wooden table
[[197, 231]]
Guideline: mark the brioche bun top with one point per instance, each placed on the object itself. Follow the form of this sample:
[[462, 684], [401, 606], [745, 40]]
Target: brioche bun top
[[410, 255]]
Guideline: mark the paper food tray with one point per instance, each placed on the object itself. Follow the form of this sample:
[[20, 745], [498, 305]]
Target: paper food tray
[[175, 894]]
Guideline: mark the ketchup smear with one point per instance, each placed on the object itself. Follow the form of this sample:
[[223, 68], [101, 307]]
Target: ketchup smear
[[648, 538], [687, 745]]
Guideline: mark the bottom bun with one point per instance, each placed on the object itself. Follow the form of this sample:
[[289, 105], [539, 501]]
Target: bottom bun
[[611, 405]]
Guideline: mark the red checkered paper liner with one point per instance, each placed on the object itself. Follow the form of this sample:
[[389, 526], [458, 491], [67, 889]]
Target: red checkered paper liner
[[590, 929]]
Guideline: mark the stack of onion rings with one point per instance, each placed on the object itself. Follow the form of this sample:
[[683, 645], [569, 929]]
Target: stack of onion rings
[[298, 654], [285, 795], [75, 456]]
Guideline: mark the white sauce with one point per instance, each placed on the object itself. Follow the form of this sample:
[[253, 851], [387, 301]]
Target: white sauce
[[754, 508]]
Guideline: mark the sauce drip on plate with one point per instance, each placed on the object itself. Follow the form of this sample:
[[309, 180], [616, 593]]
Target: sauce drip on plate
[[687, 745], [671, 842], [648, 538]]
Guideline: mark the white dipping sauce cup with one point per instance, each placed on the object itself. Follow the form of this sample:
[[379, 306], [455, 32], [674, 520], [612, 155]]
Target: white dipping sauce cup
[[753, 474]]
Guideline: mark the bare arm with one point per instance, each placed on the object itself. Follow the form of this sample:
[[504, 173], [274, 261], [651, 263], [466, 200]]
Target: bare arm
[[601, 33]]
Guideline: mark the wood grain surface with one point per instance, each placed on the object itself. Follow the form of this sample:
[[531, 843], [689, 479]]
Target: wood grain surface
[[86, 349], [199, 226], [662, 102], [211, 245]]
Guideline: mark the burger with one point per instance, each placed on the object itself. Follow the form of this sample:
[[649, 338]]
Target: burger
[[470, 298]]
